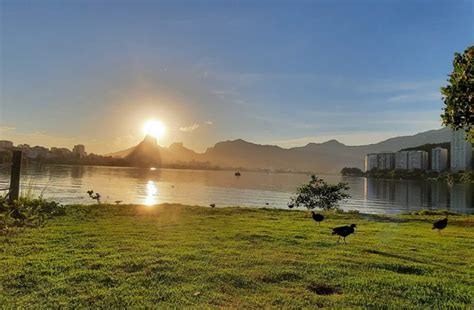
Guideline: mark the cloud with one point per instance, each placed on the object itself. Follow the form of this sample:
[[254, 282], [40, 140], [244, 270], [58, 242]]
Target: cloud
[[6, 128], [389, 86], [416, 97], [208, 123], [189, 128]]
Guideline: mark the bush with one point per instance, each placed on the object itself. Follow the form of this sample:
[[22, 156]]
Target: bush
[[319, 194], [27, 212]]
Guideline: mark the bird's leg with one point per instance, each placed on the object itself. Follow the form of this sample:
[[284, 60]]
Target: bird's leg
[[345, 240], [338, 239]]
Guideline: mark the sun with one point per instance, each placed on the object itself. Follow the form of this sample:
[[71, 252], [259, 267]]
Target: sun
[[154, 128]]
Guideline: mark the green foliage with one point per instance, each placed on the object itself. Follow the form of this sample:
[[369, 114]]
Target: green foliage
[[319, 194], [449, 177], [352, 171], [180, 257], [27, 212], [458, 95], [433, 212], [456, 177], [397, 174]]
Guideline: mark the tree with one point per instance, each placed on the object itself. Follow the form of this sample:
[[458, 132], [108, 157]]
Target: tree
[[458, 95], [319, 194], [352, 171]]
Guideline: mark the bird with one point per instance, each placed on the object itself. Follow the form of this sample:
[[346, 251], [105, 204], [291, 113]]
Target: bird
[[343, 231], [318, 217], [441, 224], [291, 205], [212, 205], [118, 202]]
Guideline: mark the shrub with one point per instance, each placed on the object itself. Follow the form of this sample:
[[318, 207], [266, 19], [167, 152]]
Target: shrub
[[319, 194], [27, 212]]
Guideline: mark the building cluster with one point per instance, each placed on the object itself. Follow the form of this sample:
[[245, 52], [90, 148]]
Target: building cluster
[[461, 157], [78, 151]]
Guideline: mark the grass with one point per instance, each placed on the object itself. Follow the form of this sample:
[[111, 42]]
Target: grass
[[183, 256]]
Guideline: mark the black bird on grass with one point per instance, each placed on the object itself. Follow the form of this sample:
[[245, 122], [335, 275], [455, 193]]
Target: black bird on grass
[[441, 224], [291, 205], [318, 217], [212, 205], [343, 231]]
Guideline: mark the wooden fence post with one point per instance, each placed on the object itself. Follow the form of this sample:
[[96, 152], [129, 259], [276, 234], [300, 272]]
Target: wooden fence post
[[15, 177]]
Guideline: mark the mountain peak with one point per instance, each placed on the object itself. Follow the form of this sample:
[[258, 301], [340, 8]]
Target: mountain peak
[[149, 140], [333, 142]]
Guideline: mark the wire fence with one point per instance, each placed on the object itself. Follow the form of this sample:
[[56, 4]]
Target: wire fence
[[5, 166]]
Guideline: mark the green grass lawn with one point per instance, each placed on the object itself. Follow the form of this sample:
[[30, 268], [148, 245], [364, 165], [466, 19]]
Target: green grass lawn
[[183, 256]]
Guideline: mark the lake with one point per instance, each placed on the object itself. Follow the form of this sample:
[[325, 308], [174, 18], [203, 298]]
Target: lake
[[68, 184]]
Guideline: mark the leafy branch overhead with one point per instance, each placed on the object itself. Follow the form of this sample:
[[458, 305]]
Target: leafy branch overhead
[[319, 194], [458, 95]]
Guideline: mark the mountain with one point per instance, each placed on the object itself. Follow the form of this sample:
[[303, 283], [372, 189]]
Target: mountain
[[146, 154], [328, 157]]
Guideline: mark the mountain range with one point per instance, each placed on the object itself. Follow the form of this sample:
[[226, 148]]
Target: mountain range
[[327, 157]]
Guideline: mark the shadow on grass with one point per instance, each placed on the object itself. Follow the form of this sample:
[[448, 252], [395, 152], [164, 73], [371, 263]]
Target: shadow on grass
[[323, 289], [392, 255]]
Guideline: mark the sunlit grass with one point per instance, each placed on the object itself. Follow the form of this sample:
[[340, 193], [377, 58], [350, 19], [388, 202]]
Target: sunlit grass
[[182, 256]]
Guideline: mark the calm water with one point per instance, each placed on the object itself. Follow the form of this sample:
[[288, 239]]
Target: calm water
[[68, 184]]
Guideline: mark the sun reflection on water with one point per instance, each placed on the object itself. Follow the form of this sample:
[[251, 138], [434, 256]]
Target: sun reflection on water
[[151, 194]]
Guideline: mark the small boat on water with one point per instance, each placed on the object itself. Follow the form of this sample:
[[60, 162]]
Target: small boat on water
[[237, 173]]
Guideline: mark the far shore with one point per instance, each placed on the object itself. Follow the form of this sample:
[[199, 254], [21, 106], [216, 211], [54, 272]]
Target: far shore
[[192, 168]]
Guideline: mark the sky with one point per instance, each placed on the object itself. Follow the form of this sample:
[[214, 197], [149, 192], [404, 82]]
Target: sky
[[273, 72]]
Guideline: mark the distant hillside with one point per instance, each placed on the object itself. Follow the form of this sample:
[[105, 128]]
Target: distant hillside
[[327, 157]]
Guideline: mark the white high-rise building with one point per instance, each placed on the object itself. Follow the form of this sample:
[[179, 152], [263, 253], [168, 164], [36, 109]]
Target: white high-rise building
[[417, 160], [401, 160], [386, 161], [371, 162], [461, 151], [439, 159]]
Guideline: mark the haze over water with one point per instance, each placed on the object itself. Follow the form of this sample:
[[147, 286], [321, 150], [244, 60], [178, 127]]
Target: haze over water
[[68, 184]]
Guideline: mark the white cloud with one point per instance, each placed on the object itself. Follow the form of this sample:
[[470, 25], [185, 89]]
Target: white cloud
[[6, 129], [416, 97], [209, 123], [189, 128]]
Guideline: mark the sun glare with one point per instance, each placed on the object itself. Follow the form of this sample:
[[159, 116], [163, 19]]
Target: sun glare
[[154, 128], [151, 193]]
